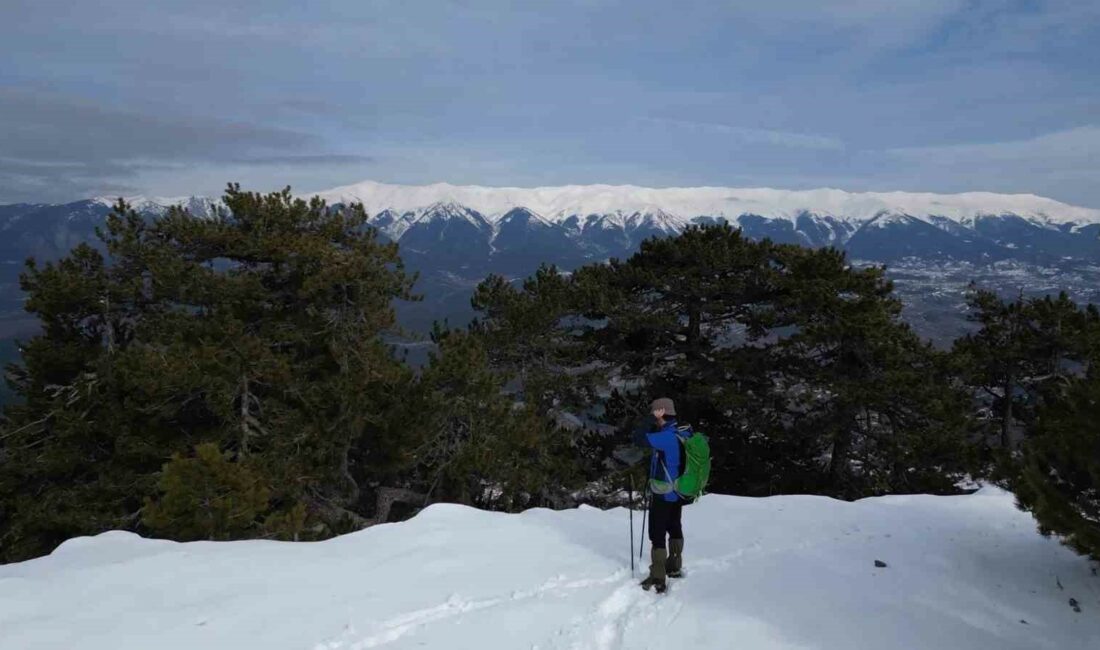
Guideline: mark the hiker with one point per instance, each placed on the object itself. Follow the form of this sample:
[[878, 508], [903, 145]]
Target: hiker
[[659, 432]]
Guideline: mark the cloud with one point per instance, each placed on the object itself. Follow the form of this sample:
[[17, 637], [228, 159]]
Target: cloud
[[58, 148], [894, 17], [180, 96], [24, 181], [331, 160], [1070, 148], [748, 135], [1034, 28], [1063, 164], [52, 128]]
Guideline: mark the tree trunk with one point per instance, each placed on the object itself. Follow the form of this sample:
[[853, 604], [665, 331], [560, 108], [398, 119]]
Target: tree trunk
[[332, 514], [1006, 415], [389, 496], [694, 329], [838, 464], [245, 397]]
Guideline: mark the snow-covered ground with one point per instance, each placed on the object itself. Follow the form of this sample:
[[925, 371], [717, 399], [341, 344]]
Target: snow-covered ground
[[965, 572]]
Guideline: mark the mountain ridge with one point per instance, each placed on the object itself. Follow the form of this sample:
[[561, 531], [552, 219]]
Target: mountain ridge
[[453, 236], [683, 204]]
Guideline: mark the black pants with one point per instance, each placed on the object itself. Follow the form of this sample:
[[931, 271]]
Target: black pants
[[664, 519]]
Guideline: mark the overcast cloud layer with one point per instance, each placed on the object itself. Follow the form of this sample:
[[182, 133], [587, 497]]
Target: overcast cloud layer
[[172, 98]]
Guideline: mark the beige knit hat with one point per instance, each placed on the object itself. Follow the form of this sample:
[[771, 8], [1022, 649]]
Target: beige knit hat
[[663, 403]]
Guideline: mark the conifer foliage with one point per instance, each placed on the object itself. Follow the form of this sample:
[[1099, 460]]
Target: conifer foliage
[[245, 349], [229, 377], [475, 444], [1022, 352], [1033, 367], [796, 365], [207, 496], [1059, 479]]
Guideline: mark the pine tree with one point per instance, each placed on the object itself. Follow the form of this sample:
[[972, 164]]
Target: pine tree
[[1034, 364], [535, 334], [206, 497], [795, 364], [475, 444], [1059, 481], [1023, 349], [258, 331], [883, 396]]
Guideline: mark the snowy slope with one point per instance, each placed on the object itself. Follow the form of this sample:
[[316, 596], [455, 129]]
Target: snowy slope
[[677, 206], [785, 572], [199, 206], [684, 204]]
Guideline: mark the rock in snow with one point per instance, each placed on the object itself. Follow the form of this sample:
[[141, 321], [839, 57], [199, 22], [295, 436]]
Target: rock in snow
[[782, 572]]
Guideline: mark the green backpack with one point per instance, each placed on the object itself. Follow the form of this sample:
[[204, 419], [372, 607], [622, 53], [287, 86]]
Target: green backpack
[[696, 450], [695, 462]]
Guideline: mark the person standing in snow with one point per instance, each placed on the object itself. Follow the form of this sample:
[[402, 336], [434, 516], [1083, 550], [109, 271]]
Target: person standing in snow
[[658, 432]]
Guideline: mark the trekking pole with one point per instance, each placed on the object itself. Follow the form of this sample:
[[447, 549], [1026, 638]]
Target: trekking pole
[[645, 511], [630, 507]]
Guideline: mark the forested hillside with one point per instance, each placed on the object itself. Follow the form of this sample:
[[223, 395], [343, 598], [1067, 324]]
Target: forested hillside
[[228, 377]]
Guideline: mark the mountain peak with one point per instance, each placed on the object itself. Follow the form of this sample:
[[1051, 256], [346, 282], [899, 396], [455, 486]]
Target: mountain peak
[[680, 205]]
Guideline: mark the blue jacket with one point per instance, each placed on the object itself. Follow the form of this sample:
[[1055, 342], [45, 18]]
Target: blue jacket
[[666, 452]]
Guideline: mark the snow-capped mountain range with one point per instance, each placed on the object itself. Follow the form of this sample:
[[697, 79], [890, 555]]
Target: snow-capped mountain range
[[837, 214], [679, 206], [593, 221], [455, 235]]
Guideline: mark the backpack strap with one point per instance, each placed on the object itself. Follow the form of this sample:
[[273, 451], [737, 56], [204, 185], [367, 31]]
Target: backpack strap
[[683, 432]]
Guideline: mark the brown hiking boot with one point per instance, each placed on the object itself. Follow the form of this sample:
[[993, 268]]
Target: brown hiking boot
[[656, 580], [675, 565]]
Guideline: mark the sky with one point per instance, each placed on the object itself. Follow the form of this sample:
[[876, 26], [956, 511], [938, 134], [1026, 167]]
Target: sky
[[173, 98]]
